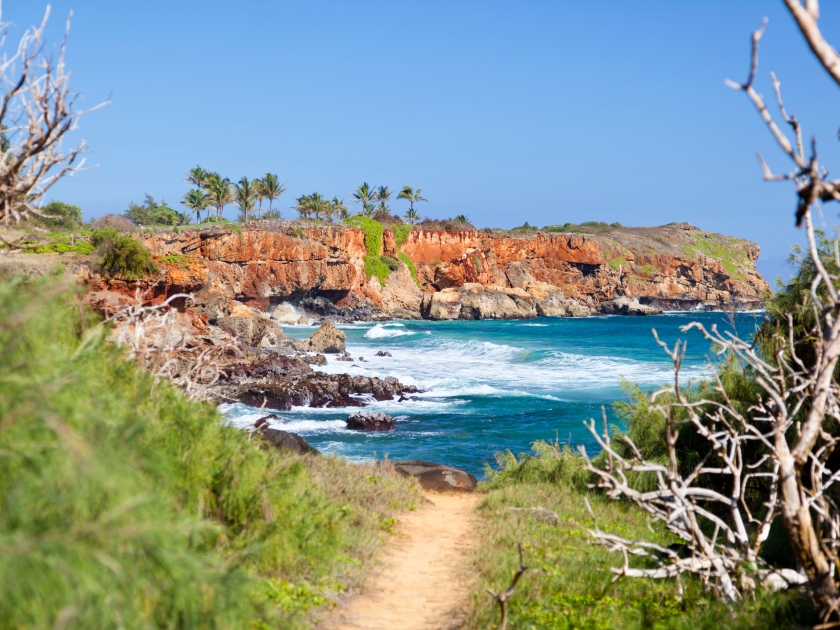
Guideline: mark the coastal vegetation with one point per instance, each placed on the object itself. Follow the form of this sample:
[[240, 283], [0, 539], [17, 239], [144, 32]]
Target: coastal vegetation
[[127, 504]]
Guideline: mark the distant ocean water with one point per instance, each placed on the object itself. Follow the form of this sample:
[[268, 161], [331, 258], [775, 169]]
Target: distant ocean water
[[493, 386]]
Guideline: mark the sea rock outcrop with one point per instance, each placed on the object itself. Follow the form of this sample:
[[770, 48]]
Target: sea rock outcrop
[[370, 422], [327, 340], [628, 306], [282, 440]]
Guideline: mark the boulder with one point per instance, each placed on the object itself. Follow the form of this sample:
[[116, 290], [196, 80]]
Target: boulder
[[249, 329], [551, 302], [401, 292], [315, 359], [273, 337], [282, 440], [627, 306], [370, 422], [326, 340], [436, 477], [383, 354]]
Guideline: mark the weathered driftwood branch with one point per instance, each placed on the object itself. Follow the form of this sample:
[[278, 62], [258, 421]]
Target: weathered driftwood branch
[[502, 599], [152, 340]]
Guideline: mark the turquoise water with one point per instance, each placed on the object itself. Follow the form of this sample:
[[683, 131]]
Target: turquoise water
[[496, 385]]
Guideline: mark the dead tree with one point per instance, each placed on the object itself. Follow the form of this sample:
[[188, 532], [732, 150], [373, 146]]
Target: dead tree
[[795, 419], [37, 111]]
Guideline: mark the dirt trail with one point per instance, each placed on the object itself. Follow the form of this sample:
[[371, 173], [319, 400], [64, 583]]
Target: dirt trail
[[424, 577]]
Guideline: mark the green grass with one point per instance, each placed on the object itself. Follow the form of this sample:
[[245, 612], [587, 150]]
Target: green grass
[[124, 504], [401, 232], [174, 260], [617, 263], [729, 253], [570, 584]]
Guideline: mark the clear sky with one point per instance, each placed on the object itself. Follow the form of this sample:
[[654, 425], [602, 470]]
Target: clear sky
[[504, 111]]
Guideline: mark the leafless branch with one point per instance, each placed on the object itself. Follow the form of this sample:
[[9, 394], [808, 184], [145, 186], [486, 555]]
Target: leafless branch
[[37, 110], [502, 599]]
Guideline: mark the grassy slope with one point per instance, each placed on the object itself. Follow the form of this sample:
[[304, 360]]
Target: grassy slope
[[572, 587], [123, 504]]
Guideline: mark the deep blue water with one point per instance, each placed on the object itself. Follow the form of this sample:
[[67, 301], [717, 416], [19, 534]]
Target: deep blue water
[[492, 386]]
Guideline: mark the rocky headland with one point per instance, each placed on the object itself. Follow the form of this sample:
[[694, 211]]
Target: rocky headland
[[472, 274]]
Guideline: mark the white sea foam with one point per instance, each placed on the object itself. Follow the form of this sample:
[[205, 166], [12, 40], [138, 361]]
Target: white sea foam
[[535, 325], [380, 332]]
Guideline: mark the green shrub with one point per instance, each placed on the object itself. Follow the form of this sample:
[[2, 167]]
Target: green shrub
[[175, 260], [61, 215], [553, 463], [373, 231], [392, 263], [152, 213], [526, 226], [214, 219], [121, 254], [374, 267]]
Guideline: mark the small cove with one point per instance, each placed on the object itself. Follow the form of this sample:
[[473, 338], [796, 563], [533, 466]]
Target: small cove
[[492, 386]]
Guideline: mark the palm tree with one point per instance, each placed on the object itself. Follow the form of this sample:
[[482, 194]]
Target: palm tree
[[272, 189], [365, 195], [196, 200], [303, 205], [198, 177], [243, 196], [412, 216], [383, 194], [220, 192], [319, 205], [412, 195], [259, 195], [338, 210]]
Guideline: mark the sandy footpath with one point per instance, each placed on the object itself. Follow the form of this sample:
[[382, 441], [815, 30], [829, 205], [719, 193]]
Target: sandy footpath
[[423, 580]]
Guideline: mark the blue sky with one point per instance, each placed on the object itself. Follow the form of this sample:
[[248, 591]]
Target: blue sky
[[505, 111]]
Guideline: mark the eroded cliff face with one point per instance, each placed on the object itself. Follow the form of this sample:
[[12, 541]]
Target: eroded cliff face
[[469, 274], [674, 267]]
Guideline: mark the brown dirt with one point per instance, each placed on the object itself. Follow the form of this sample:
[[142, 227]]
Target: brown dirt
[[424, 581]]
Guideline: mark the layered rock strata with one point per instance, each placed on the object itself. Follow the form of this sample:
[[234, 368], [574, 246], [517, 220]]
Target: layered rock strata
[[470, 274]]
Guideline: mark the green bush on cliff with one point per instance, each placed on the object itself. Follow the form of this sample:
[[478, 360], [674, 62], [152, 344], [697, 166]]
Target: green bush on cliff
[[121, 254], [373, 230], [401, 232], [124, 504], [410, 264]]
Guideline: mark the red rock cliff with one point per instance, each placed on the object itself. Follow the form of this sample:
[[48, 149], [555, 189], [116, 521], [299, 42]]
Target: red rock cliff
[[674, 266]]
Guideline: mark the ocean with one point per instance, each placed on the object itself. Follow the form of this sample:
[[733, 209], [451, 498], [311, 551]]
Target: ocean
[[493, 386]]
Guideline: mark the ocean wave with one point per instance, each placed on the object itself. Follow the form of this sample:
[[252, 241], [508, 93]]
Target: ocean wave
[[540, 325], [380, 332]]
